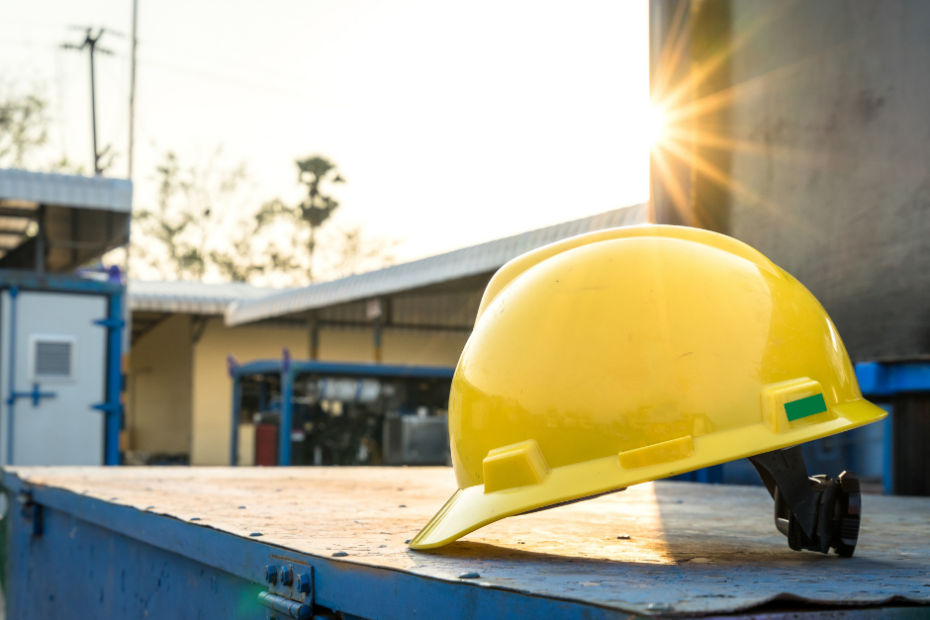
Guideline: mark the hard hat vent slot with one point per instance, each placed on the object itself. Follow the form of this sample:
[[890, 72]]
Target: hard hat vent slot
[[516, 465], [658, 453], [790, 404]]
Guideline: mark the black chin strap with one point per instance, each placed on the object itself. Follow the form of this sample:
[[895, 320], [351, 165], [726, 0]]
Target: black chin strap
[[815, 513]]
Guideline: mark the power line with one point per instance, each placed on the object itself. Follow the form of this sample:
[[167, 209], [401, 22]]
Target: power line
[[132, 82], [90, 43]]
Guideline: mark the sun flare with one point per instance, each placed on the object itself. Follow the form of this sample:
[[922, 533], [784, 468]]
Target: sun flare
[[655, 122]]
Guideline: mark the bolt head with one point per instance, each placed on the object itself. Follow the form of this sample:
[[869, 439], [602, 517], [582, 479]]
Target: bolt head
[[271, 574], [287, 575], [303, 583]]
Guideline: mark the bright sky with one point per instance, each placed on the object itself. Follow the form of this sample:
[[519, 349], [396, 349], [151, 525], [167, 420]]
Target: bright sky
[[454, 123]]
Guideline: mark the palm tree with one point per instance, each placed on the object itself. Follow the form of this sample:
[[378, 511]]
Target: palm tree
[[317, 208]]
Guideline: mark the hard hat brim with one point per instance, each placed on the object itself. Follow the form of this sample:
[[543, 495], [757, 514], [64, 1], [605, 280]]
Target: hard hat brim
[[471, 508]]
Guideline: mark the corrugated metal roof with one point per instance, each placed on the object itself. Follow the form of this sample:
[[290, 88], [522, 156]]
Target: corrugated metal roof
[[66, 190], [190, 297], [474, 260]]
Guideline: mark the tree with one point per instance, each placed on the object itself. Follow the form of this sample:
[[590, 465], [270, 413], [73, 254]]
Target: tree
[[356, 252], [318, 207], [177, 238], [23, 126], [200, 229]]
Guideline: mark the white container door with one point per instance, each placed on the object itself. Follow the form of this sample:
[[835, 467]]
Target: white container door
[[59, 356]]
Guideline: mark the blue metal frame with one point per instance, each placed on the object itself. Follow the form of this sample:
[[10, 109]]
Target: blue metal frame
[[107, 561], [288, 369], [887, 379], [882, 381], [11, 401], [114, 290]]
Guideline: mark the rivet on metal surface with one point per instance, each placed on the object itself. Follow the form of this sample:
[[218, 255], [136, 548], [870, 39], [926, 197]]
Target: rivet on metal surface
[[469, 576], [287, 575], [271, 574], [31, 510], [303, 583]]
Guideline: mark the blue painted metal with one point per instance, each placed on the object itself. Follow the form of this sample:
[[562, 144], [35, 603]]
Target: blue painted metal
[[106, 407], [888, 452], [287, 410], [234, 425], [11, 400], [30, 511], [285, 360], [109, 322], [35, 281], [113, 289], [886, 379], [35, 394], [350, 369], [294, 609], [112, 561], [114, 385], [883, 380]]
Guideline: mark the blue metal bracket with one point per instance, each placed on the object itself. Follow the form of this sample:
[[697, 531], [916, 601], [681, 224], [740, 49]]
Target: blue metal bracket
[[108, 407], [290, 590], [111, 323], [293, 609], [35, 395]]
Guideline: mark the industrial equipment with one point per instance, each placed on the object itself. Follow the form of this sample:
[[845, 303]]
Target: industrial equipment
[[308, 412]]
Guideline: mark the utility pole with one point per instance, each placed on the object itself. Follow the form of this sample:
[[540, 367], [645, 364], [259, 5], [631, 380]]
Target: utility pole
[[132, 83], [90, 43]]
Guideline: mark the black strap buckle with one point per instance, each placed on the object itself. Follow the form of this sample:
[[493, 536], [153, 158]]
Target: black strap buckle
[[816, 513]]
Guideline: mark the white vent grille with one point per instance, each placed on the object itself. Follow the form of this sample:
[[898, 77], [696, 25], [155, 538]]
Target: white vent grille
[[52, 357]]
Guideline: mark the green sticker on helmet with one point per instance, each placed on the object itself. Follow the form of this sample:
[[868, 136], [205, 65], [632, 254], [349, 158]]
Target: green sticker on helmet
[[812, 405]]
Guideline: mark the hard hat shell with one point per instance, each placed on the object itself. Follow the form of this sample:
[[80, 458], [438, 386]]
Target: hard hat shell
[[633, 354]]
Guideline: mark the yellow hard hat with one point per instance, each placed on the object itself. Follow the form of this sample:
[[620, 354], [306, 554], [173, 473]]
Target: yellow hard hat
[[633, 354]]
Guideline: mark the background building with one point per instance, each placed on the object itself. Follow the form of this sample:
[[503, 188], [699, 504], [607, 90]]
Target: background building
[[179, 390], [802, 129]]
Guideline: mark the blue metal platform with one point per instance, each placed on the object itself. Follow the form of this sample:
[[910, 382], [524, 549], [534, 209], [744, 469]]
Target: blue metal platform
[[219, 543]]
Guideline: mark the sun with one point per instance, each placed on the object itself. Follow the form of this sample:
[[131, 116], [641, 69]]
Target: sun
[[654, 125]]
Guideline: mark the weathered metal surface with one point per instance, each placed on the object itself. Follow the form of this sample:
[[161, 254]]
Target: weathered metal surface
[[100, 560], [66, 190], [463, 263], [692, 549], [190, 297]]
